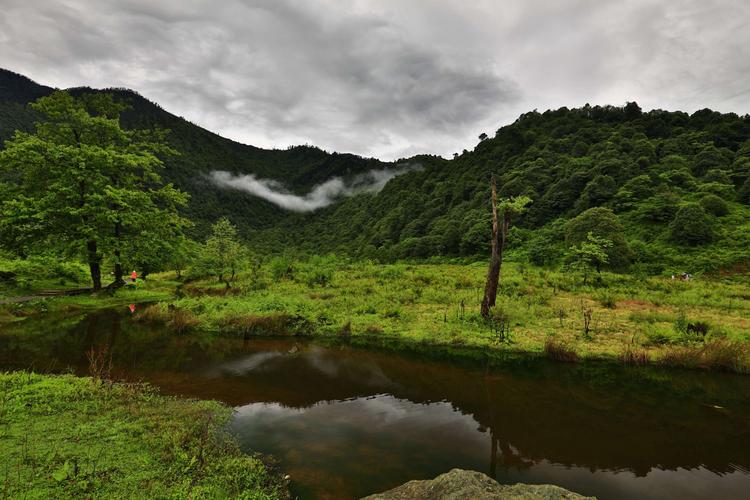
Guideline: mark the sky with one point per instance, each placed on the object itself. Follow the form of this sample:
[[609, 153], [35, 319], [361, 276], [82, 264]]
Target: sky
[[385, 78]]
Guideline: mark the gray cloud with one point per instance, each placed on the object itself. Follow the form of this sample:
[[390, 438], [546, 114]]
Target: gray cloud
[[321, 195], [385, 78]]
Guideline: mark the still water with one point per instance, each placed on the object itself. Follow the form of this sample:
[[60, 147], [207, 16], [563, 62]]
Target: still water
[[346, 421]]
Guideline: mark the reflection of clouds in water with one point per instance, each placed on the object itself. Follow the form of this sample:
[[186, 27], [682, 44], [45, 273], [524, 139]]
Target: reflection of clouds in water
[[334, 365], [243, 365], [380, 411]]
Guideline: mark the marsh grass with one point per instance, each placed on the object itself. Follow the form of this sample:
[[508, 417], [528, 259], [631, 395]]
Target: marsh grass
[[634, 355], [182, 320], [438, 304], [559, 350], [718, 354]]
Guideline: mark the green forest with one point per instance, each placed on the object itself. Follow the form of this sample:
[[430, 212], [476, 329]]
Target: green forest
[[670, 189], [599, 236]]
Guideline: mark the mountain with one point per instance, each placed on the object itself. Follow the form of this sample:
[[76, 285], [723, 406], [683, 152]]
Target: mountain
[[677, 187], [673, 186], [201, 151]]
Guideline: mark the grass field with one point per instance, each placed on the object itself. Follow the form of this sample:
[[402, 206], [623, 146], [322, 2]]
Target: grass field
[[69, 437], [704, 322]]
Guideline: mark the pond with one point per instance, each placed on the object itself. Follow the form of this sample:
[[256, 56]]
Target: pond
[[346, 421]]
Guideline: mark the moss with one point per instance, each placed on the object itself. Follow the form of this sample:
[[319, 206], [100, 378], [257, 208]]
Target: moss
[[63, 436]]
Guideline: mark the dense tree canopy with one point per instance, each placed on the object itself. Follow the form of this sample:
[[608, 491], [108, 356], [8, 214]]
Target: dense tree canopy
[[82, 184]]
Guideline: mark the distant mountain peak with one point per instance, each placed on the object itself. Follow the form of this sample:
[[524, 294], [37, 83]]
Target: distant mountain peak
[[18, 88]]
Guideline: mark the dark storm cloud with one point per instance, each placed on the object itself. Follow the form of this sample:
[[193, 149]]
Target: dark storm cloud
[[386, 78]]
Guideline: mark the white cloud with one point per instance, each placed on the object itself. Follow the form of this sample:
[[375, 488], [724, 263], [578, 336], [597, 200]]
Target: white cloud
[[320, 196]]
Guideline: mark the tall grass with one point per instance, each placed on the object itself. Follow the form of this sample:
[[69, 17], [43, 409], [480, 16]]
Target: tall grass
[[559, 350]]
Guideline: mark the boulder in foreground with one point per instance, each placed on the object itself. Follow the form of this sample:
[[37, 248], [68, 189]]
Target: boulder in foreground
[[464, 484]]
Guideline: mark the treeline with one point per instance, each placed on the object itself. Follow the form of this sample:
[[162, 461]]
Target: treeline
[[670, 190], [674, 188]]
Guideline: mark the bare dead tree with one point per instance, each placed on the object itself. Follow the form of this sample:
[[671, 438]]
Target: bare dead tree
[[493, 273], [509, 209]]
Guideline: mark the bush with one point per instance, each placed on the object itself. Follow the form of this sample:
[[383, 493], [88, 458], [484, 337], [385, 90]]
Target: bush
[[606, 299], [714, 205], [691, 226], [602, 223], [655, 336], [281, 267], [659, 208]]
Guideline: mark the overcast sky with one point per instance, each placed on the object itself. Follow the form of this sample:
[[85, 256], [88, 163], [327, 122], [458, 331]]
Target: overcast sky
[[385, 78]]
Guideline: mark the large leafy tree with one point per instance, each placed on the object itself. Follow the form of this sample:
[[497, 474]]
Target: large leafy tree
[[691, 226], [81, 183], [602, 223]]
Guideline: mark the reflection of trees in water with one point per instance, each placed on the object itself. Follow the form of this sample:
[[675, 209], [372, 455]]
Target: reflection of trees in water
[[599, 417], [509, 458]]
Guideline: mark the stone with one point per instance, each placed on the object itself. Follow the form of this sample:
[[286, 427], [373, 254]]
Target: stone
[[461, 484]]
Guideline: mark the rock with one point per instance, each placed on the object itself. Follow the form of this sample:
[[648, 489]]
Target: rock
[[466, 484]]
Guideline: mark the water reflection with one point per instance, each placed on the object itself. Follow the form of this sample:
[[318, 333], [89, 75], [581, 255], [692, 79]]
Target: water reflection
[[347, 422]]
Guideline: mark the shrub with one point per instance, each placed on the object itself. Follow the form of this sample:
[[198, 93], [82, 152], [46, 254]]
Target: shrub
[[691, 226], [601, 223], [725, 356], [714, 205], [281, 267], [154, 313], [656, 336], [607, 300], [681, 323], [319, 277]]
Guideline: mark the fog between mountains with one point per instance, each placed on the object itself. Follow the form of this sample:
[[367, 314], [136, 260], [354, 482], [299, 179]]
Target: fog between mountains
[[321, 195]]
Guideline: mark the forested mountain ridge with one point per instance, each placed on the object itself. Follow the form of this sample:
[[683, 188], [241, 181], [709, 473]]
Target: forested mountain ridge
[[201, 151], [671, 189], [677, 184]]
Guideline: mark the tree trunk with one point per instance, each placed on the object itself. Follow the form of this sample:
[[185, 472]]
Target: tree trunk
[[118, 263], [493, 273], [95, 261]]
